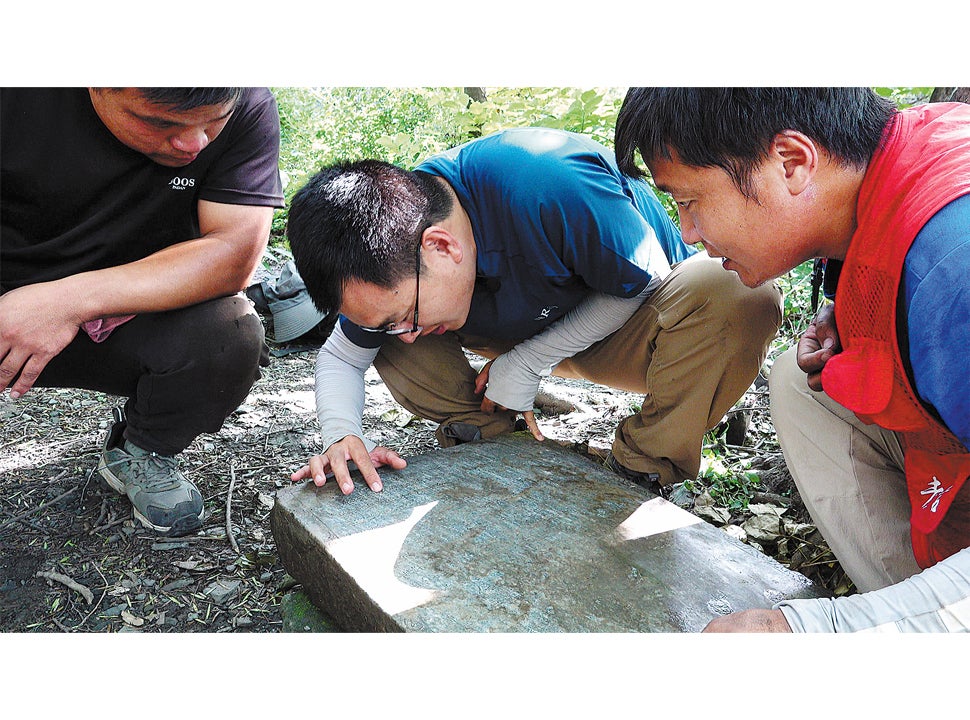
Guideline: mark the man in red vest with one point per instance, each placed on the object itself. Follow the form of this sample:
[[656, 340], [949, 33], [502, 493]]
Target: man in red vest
[[878, 437]]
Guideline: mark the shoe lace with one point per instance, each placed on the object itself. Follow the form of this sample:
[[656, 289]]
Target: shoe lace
[[160, 471]]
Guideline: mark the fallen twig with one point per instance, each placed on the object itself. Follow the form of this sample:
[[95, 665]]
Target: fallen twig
[[103, 593], [107, 526], [65, 580], [60, 476], [40, 507], [232, 483]]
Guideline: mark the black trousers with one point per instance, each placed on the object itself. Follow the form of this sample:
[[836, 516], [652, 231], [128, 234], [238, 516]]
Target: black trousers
[[183, 372]]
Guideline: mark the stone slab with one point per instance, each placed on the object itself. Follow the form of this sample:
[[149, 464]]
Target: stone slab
[[513, 535]]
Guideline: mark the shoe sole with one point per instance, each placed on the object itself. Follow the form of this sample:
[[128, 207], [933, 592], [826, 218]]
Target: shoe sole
[[182, 526]]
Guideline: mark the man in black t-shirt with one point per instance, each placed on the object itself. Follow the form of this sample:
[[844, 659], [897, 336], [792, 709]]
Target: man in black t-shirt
[[131, 220]]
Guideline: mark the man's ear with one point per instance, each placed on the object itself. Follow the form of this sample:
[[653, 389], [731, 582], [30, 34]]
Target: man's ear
[[442, 242], [798, 158]]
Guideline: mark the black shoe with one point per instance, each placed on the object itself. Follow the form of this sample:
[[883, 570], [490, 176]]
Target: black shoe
[[651, 481], [459, 433]]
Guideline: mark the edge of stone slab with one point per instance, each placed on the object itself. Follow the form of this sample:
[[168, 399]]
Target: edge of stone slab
[[294, 545]]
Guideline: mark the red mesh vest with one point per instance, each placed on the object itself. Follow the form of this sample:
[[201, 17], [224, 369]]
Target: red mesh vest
[[922, 164]]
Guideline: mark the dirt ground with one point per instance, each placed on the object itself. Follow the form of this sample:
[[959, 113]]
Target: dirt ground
[[73, 560]]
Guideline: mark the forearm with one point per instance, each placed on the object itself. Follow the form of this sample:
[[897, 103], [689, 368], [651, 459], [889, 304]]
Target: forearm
[[218, 263], [935, 600], [515, 375], [339, 382], [178, 276]]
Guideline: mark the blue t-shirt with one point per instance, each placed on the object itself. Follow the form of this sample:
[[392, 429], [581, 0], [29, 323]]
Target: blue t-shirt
[[553, 220], [936, 296]]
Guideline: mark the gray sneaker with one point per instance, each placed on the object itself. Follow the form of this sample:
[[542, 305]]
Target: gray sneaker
[[162, 497]]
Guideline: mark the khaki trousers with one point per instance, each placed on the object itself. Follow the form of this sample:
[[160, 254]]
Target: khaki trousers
[[849, 475], [693, 348]]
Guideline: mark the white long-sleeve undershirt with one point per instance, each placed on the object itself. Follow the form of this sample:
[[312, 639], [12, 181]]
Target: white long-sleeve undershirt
[[339, 385], [514, 377], [935, 600]]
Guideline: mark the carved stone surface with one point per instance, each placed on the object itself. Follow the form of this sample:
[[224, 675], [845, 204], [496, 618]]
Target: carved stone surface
[[513, 535]]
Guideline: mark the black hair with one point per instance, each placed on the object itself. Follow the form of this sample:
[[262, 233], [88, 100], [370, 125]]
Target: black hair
[[732, 128], [361, 221], [182, 99]]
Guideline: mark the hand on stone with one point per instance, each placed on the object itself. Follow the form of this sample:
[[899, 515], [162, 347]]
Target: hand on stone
[[335, 463], [750, 621]]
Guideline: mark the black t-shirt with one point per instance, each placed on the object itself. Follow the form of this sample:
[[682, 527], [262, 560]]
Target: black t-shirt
[[74, 198]]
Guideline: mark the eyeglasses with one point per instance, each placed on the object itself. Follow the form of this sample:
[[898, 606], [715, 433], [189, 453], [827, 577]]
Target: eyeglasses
[[394, 327]]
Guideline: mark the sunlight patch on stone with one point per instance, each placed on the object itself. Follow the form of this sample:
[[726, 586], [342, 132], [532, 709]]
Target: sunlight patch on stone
[[369, 557], [652, 518]]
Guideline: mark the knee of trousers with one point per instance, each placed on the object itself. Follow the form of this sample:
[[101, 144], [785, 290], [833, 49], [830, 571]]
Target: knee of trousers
[[787, 388], [716, 298], [219, 349]]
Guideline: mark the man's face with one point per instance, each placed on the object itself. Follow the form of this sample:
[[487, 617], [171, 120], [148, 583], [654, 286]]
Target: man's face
[[172, 139], [445, 298], [758, 239]]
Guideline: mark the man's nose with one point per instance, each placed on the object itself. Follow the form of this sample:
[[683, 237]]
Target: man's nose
[[191, 140], [688, 232]]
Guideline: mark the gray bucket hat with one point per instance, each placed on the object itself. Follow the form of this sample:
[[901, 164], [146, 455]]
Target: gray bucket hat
[[288, 302]]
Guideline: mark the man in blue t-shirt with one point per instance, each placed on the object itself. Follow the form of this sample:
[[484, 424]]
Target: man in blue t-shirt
[[769, 178], [131, 220], [531, 249]]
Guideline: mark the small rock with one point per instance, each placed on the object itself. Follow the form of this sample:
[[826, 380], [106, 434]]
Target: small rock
[[169, 545], [221, 590], [681, 496], [244, 621], [131, 619], [177, 584], [115, 610]]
